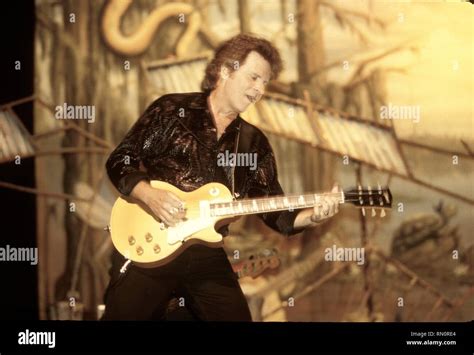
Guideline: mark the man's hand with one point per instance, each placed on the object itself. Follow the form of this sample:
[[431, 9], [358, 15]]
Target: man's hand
[[327, 207], [164, 204]]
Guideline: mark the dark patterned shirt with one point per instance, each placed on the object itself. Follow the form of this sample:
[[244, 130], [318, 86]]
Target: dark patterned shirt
[[175, 140]]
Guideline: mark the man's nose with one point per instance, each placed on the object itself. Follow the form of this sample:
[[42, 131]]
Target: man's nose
[[259, 88]]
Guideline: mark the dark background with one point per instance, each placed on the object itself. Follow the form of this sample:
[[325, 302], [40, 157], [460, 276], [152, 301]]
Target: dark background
[[19, 285]]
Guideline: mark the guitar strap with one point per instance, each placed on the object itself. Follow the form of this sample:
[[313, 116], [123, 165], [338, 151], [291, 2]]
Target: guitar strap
[[243, 143], [236, 146], [244, 138]]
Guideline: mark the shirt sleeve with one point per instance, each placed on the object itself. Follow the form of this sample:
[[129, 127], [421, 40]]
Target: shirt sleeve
[[266, 184], [123, 164]]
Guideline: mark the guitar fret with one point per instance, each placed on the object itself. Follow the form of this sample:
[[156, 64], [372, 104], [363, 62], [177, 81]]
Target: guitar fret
[[280, 203], [294, 202], [269, 204], [255, 205], [272, 204], [301, 200], [316, 199]]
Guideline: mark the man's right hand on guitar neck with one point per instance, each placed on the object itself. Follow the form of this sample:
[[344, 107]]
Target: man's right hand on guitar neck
[[164, 204]]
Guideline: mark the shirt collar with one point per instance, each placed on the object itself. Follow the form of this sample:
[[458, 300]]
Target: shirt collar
[[200, 102]]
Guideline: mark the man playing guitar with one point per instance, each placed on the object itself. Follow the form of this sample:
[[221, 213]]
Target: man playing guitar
[[177, 140]]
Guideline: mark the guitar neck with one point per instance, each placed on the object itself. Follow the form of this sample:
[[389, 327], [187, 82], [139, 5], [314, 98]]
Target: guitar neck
[[270, 204]]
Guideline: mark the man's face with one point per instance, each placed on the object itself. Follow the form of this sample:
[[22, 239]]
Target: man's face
[[247, 84]]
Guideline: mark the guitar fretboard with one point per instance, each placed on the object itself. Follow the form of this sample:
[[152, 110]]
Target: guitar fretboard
[[269, 204]]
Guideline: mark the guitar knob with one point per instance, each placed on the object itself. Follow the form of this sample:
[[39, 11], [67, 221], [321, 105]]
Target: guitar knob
[[107, 229], [214, 191], [162, 226], [131, 240], [148, 237], [156, 248], [139, 250]]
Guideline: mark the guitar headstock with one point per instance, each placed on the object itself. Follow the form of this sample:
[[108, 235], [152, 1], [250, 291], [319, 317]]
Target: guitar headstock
[[370, 197]]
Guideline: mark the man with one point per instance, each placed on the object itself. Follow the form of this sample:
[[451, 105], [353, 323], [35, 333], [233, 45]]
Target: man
[[177, 140]]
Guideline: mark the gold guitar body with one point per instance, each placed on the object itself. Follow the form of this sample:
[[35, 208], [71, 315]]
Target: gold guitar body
[[143, 239]]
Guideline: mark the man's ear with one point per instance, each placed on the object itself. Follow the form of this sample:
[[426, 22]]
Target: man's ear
[[224, 72]]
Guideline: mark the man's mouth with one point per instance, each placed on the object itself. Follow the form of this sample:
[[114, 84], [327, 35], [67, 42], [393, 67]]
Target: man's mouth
[[252, 99]]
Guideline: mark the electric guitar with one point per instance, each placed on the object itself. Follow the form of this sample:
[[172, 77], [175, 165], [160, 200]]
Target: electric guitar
[[140, 237]]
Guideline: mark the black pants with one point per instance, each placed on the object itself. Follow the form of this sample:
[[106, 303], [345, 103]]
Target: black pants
[[201, 278]]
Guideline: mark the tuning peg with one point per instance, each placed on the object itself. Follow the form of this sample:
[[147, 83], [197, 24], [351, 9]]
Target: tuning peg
[[382, 213], [363, 211], [379, 187], [107, 229], [373, 212]]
